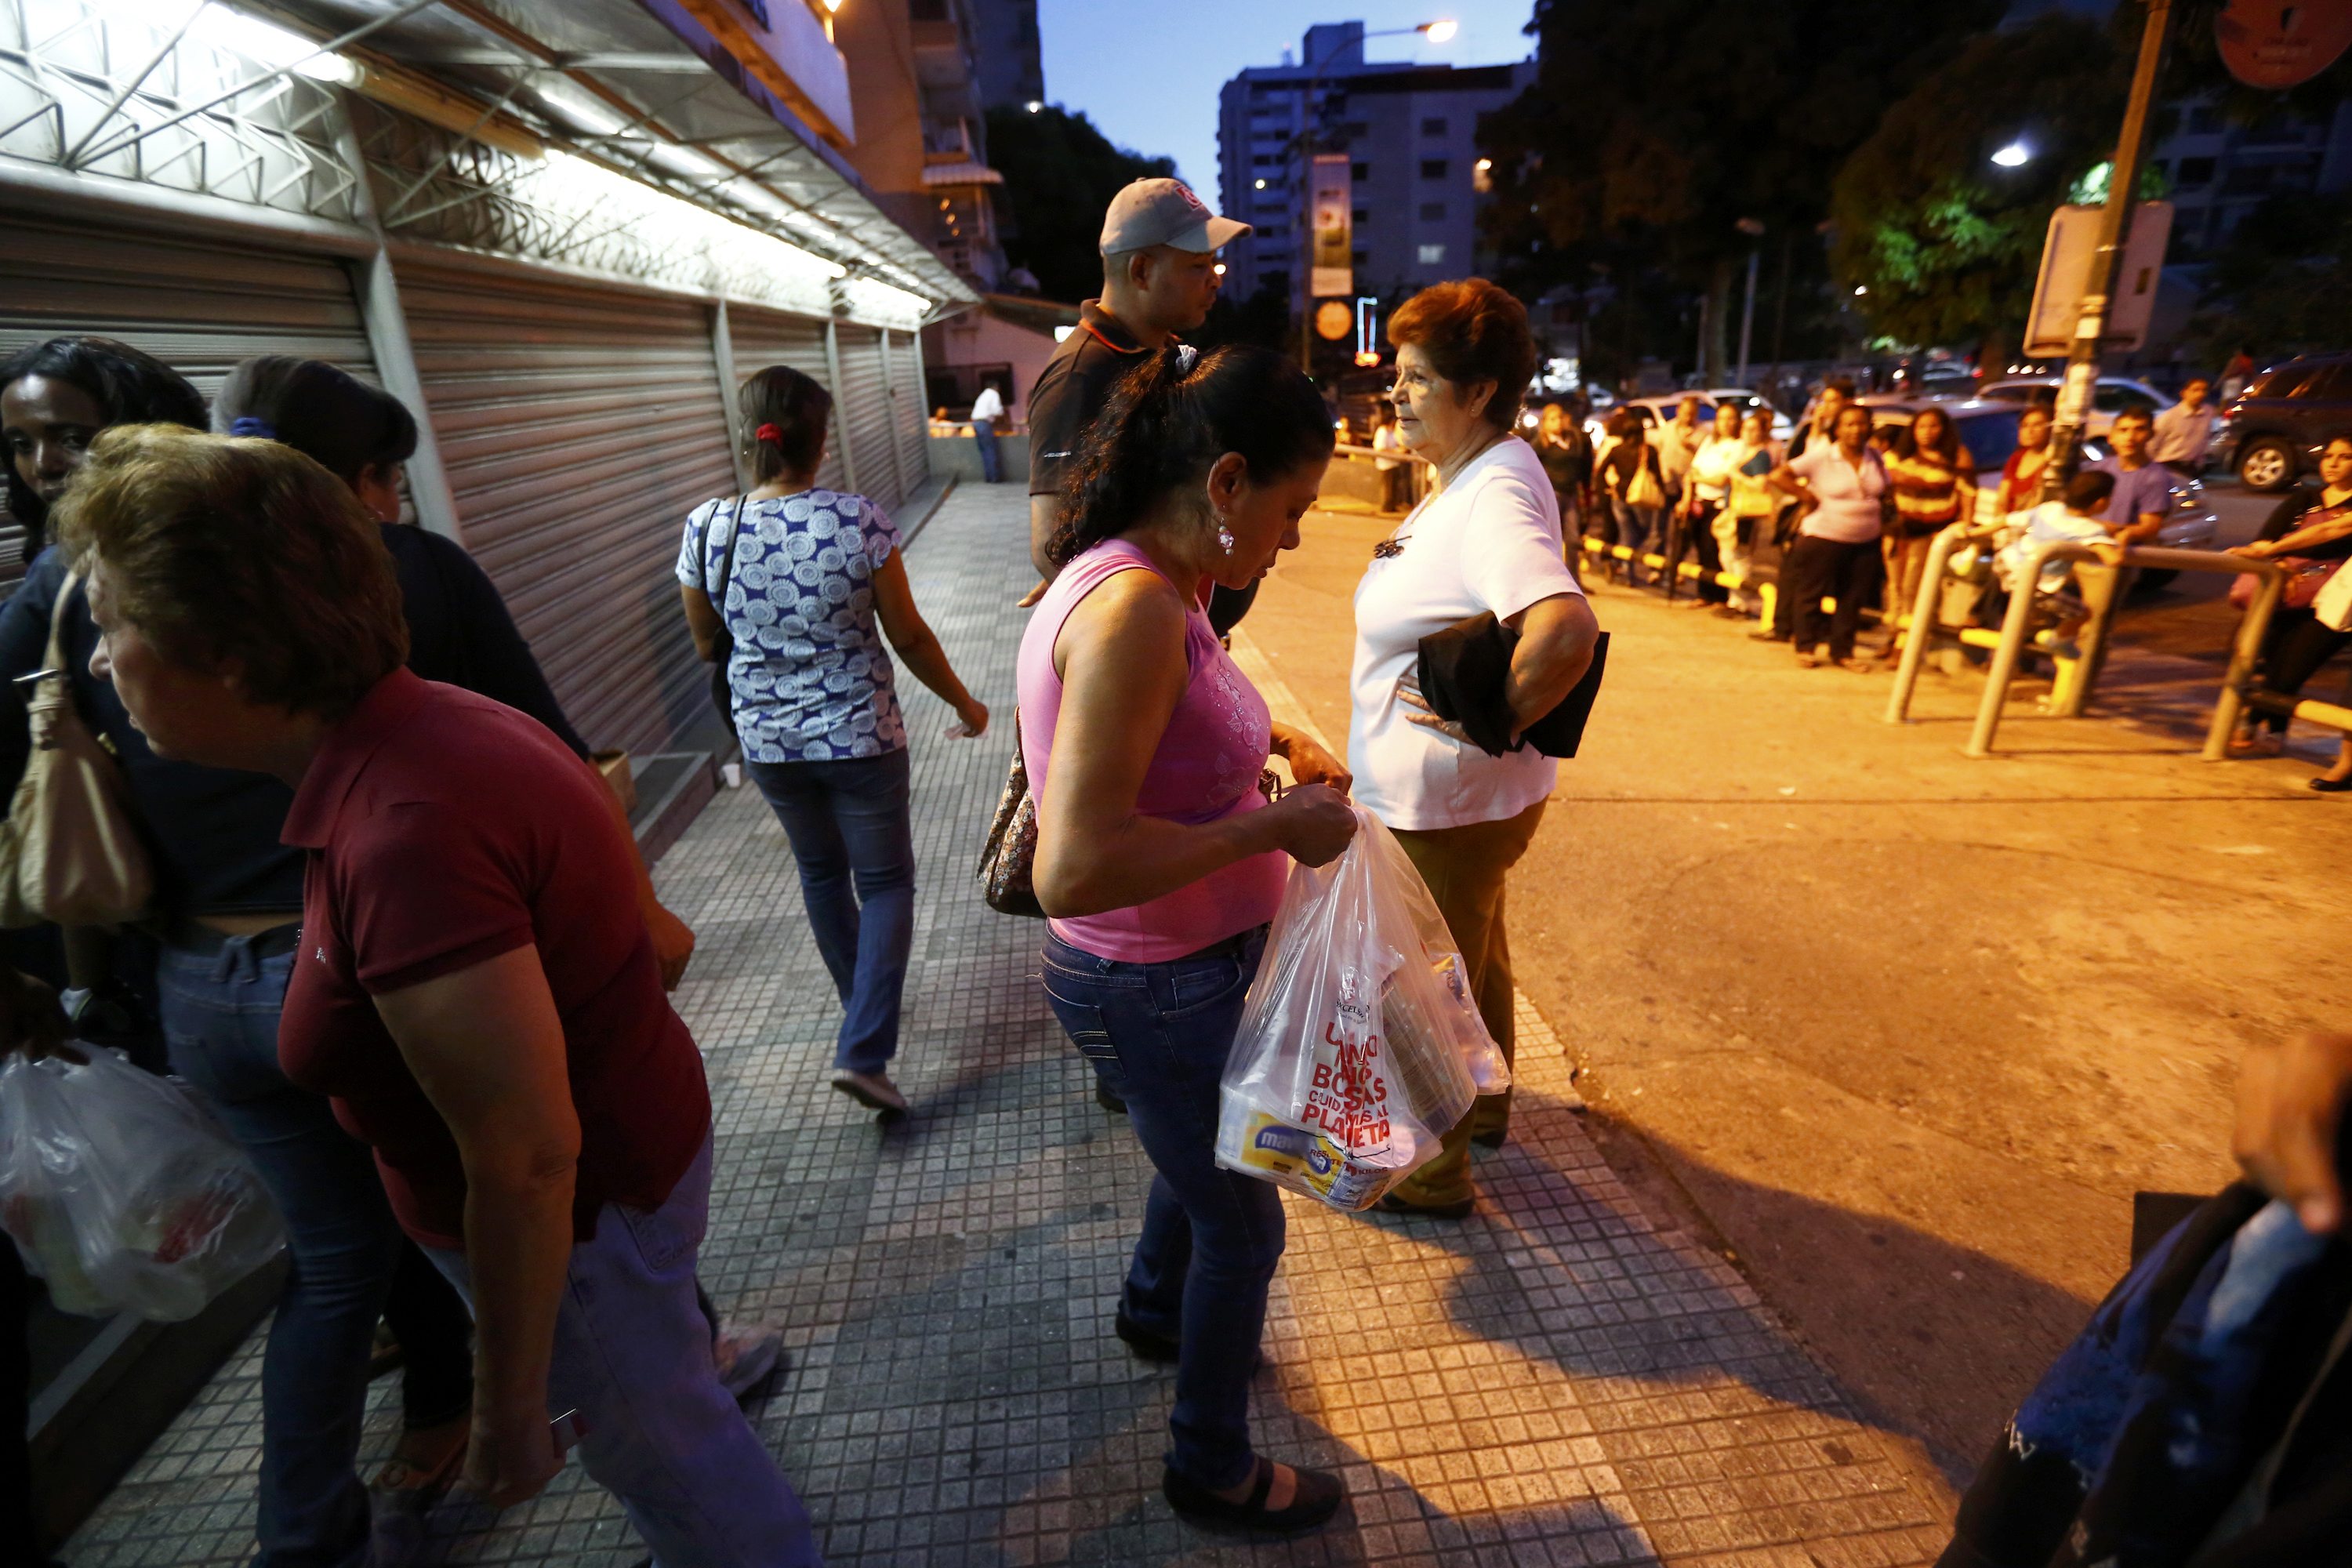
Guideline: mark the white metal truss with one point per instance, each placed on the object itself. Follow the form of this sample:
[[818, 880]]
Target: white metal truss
[[169, 93], [88, 90]]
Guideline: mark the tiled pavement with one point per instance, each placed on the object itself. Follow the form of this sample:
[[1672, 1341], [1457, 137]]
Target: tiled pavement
[[1555, 1381]]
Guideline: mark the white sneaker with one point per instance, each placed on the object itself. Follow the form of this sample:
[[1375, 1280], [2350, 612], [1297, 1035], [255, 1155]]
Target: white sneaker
[[745, 1354], [873, 1090]]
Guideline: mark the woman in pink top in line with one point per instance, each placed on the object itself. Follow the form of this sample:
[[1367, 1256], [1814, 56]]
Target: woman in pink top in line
[[1160, 863]]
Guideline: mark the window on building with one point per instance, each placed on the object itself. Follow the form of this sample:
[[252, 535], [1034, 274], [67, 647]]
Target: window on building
[[1434, 125], [1266, 160], [1432, 168], [1433, 212], [927, 10], [1363, 217], [1433, 256], [1360, 258], [2204, 119], [2195, 174], [1362, 172]]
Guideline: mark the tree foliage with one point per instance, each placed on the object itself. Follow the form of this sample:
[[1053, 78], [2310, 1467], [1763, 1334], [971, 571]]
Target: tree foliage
[[1660, 125], [1060, 173], [2282, 281], [1947, 243]]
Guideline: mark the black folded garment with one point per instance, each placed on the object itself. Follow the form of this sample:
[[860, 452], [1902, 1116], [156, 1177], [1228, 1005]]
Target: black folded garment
[[1462, 670]]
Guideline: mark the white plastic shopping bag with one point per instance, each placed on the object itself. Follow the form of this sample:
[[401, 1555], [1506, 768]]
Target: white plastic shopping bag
[[123, 1192], [1360, 1044]]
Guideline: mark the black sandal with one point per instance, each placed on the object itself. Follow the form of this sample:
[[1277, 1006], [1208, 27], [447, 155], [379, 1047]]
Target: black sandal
[[1317, 1496]]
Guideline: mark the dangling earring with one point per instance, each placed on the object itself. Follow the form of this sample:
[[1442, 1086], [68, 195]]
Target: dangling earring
[[1225, 535]]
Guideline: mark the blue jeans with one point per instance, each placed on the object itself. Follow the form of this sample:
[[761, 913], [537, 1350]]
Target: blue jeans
[[849, 829], [1158, 1034], [992, 465], [220, 1025], [657, 1429], [1635, 524]]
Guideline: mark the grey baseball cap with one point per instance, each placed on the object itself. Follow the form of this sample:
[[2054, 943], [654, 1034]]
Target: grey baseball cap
[[1164, 211]]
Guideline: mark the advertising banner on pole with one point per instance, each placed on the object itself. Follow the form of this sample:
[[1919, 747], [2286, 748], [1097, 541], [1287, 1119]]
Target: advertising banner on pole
[[1331, 194]]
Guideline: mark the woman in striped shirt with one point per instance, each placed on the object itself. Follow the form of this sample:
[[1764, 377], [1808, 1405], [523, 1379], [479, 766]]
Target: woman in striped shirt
[[1935, 482]]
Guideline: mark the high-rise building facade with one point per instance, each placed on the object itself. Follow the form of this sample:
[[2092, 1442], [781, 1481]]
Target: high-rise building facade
[[922, 139], [1410, 133], [1012, 63], [2220, 172]]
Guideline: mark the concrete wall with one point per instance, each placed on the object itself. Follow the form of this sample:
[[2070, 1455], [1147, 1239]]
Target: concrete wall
[[960, 455]]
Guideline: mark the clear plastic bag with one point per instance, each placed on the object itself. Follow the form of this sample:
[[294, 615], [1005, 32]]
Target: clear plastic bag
[[123, 1192], [1359, 1044]]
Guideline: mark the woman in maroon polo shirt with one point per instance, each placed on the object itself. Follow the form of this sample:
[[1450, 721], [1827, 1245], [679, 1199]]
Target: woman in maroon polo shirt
[[474, 988]]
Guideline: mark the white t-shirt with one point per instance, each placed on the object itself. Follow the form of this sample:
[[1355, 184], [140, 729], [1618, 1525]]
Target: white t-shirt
[[1849, 493], [987, 407], [1386, 439], [1490, 540]]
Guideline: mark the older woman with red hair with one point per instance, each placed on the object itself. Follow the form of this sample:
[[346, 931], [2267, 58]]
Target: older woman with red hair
[[1487, 540]]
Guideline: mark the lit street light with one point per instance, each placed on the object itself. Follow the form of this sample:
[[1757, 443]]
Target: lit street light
[[2016, 155], [1439, 32], [1034, 105], [1859, 289]]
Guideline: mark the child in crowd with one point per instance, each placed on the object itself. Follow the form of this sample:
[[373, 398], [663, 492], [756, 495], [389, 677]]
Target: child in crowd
[[2077, 517]]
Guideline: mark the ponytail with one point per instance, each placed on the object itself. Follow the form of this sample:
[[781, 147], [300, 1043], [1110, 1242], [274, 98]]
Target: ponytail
[[328, 414], [1172, 417]]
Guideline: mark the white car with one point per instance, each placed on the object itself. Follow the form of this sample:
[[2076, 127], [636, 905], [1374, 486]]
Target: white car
[[1660, 410], [2115, 393]]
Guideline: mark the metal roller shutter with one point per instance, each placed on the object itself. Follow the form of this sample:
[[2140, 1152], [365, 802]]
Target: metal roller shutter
[[914, 419], [198, 307], [579, 427], [866, 415], [762, 338]]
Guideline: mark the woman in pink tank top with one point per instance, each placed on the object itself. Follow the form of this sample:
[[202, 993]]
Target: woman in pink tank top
[[1160, 863]]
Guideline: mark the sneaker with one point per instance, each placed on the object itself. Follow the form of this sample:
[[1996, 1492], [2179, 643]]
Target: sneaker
[[873, 1090], [747, 1356]]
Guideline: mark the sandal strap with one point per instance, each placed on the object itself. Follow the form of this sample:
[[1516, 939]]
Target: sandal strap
[[1264, 1488]]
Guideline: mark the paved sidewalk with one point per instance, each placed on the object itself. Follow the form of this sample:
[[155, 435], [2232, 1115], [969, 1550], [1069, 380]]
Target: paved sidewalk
[[1554, 1381]]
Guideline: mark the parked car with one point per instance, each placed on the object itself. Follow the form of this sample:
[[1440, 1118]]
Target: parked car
[[1988, 431], [1660, 410], [2115, 393], [2273, 434]]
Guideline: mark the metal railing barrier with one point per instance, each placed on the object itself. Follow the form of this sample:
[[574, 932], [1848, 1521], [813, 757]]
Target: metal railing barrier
[[2245, 647]]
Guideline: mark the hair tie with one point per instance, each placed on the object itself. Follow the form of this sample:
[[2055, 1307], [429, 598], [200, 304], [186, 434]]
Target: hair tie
[[249, 425], [1186, 356], [769, 434]]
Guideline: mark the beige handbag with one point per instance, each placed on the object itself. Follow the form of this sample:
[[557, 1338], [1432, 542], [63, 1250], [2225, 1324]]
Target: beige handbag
[[70, 850]]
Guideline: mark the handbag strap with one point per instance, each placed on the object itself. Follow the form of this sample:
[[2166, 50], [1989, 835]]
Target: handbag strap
[[54, 657], [727, 560]]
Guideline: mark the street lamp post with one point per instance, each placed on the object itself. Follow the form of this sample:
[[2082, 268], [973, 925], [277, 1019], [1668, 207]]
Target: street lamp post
[[2098, 291], [1437, 32]]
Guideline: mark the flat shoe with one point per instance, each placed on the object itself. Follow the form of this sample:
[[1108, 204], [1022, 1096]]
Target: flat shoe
[[1808, 661], [1317, 1496], [1108, 1101], [873, 1090], [2326, 785]]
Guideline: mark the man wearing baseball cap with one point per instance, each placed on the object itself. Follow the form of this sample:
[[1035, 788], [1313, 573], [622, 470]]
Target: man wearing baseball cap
[[1160, 245]]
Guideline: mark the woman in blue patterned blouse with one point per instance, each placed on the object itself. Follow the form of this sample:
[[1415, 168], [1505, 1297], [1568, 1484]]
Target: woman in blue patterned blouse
[[811, 581]]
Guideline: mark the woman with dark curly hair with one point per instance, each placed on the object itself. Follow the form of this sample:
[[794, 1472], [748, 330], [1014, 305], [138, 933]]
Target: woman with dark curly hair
[[56, 396], [1160, 864]]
